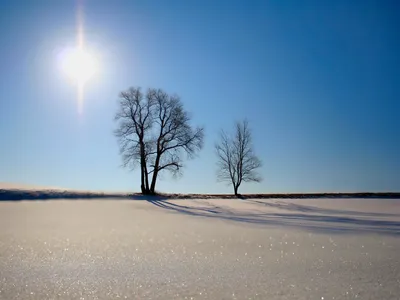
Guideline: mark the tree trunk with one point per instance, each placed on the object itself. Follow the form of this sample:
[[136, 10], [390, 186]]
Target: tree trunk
[[146, 178], [155, 174], [142, 179], [143, 169], [153, 182], [143, 176], [236, 190]]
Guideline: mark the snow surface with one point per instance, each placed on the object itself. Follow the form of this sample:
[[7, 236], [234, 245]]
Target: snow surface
[[200, 249]]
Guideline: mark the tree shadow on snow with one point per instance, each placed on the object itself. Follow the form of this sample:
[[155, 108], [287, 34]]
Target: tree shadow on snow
[[324, 222], [289, 206]]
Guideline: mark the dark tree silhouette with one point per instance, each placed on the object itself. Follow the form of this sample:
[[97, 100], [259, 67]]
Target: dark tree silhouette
[[237, 162], [154, 131]]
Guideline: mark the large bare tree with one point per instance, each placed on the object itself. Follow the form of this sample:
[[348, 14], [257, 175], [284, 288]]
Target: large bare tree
[[237, 162], [154, 132]]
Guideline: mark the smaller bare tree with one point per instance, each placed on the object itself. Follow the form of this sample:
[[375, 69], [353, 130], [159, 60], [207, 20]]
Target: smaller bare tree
[[237, 162]]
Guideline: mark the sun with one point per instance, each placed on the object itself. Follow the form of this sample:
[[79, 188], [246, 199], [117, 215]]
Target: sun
[[79, 65]]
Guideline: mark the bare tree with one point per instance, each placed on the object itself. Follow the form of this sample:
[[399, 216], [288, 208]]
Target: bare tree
[[154, 130], [237, 162], [134, 123]]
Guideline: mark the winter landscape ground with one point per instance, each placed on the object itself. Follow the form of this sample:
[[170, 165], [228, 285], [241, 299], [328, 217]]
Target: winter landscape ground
[[119, 248]]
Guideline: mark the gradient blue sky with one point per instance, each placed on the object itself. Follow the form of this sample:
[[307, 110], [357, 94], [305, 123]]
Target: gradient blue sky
[[318, 80]]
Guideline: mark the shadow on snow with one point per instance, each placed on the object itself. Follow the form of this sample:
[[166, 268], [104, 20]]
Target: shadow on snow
[[299, 217]]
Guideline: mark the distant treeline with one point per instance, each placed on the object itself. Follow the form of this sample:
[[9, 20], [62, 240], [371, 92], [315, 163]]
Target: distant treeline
[[15, 195]]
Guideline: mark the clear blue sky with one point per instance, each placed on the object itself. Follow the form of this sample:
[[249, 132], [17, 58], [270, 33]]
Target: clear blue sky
[[318, 80]]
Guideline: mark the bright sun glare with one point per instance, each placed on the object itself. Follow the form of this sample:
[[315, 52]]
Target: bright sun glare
[[79, 65]]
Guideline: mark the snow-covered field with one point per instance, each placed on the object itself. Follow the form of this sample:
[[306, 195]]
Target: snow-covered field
[[200, 249]]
